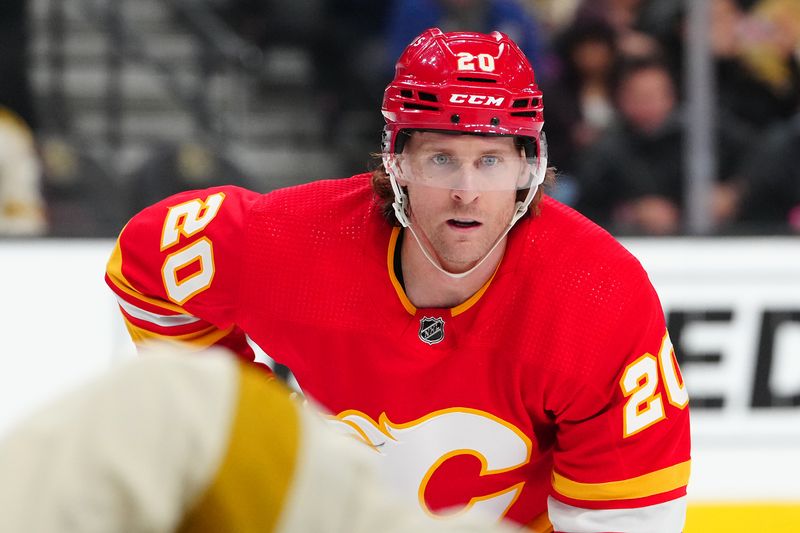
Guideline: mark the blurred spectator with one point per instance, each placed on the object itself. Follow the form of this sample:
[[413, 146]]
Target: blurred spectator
[[768, 196], [758, 78], [183, 167], [770, 45], [349, 55], [632, 180], [409, 18], [15, 87], [82, 198], [554, 15], [21, 201], [624, 17], [580, 102]]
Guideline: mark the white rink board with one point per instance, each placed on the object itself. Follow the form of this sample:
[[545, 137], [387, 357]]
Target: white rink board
[[59, 325]]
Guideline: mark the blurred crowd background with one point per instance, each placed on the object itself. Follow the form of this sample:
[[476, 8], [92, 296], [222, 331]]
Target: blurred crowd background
[[109, 105]]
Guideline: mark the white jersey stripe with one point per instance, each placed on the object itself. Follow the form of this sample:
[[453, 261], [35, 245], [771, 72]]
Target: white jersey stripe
[[667, 517], [166, 321]]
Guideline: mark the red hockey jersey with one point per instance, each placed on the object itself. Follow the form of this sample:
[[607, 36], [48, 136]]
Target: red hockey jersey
[[555, 385]]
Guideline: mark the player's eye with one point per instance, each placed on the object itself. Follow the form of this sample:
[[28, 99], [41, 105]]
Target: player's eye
[[490, 160], [441, 159]]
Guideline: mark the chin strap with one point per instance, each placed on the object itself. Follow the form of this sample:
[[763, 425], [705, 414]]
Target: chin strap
[[400, 206]]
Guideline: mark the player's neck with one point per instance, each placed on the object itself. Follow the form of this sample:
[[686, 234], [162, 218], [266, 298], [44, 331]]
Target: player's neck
[[426, 286]]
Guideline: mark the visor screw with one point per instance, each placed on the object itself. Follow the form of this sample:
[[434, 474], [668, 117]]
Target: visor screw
[[455, 119], [495, 121]]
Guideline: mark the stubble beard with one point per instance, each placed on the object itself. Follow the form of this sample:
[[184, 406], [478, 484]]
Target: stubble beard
[[459, 253]]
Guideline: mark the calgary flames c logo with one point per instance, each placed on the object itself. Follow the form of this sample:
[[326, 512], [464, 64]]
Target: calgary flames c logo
[[414, 451]]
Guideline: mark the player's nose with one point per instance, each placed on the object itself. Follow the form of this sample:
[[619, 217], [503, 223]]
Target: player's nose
[[464, 196], [465, 188]]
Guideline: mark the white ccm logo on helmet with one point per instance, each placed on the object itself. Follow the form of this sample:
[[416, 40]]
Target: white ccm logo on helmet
[[476, 99]]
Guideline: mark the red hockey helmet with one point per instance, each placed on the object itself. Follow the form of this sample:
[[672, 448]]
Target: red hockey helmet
[[461, 81], [470, 83]]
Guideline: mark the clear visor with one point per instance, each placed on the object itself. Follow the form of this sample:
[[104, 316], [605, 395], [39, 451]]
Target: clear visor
[[480, 172]]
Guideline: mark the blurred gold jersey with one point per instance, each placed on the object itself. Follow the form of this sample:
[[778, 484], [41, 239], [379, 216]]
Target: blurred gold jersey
[[193, 443]]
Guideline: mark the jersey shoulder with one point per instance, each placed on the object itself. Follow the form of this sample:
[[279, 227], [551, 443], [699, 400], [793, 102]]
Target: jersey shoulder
[[320, 204], [578, 263], [182, 254], [590, 297], [187, 215], [330, 218], [571, 238]]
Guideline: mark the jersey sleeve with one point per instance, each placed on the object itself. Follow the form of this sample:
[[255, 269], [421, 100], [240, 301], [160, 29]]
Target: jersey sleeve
[[622, 457], [175, 269]]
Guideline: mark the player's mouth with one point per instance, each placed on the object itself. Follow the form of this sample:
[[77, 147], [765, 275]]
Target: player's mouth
[[463, 223]]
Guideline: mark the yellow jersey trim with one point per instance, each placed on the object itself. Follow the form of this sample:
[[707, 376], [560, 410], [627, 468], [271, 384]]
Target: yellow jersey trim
[[412, 310], [454, 311], [114, 271], [197, 339], [733, 517], [660, 481], [262, 457], [540, 524], [472, 300]]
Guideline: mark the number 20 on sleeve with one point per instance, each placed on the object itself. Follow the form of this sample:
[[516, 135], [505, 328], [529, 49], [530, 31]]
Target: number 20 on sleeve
[[639, 383], [185, 220]]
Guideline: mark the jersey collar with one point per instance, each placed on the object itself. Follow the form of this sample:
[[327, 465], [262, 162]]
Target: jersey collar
[[401, 293]]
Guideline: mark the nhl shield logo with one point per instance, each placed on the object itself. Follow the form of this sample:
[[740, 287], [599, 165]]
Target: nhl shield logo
[[431, 330]]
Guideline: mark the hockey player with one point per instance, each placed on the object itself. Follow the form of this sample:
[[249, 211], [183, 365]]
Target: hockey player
[[169, 443], [502, 353]]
